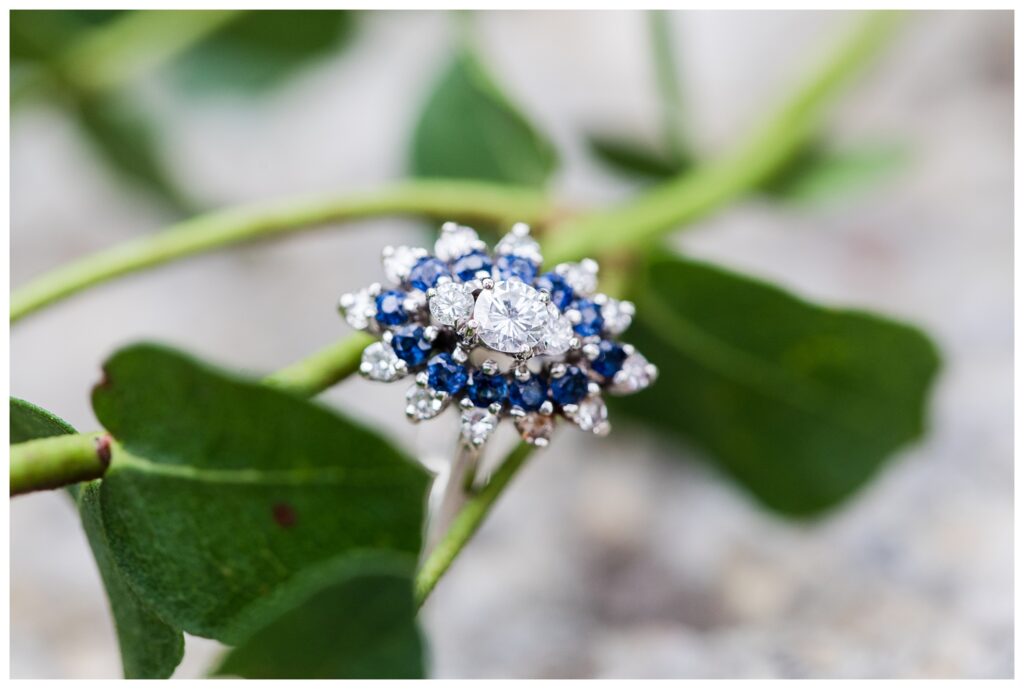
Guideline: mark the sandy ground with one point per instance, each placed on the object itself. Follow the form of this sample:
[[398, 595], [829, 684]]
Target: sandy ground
[[617, 558]]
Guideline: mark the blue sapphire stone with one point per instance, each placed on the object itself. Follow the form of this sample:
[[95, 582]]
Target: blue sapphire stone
[[516, 267], [484, 390], [609, 361], [529, 394], [410, 345], [561, 292], [426, 272], [591, 320], [570, 388], [469, 265], [389, 308], [445, 375]]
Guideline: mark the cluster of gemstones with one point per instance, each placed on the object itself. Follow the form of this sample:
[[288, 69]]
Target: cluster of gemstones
[[493, 334]]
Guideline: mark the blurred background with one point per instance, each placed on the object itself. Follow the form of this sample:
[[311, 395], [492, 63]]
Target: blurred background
[[624, 557]]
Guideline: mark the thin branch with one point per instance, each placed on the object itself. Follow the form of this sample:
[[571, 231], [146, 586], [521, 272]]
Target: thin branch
[[690, 196], [135, 43], [58, 461], [321, 370], [438, 199], [63, 460], [466, 522]]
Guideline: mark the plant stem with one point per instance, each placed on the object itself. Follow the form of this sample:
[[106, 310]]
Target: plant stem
[[438, 199], [63, 460], [324, 368], [466, 522], [58, 461], [114, 54], [685, 198]]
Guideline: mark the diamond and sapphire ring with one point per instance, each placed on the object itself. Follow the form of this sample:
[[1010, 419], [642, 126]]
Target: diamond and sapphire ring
[[487, 333]]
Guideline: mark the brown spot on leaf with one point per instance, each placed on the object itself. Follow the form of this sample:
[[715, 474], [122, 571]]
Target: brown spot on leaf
[[284, 514]]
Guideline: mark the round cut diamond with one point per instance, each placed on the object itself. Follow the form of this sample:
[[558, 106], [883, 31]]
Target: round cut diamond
[[558, 336], [451, 303], [421, 404], [512, 317], [635, 375], [399, 260], [455, 241], [358, 307], [591, 415], [380, 363], [617, 315], [581, 277], [477, 425], [518, 242]]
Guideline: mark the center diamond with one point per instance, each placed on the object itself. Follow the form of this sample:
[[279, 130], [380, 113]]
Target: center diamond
[[512, 317]]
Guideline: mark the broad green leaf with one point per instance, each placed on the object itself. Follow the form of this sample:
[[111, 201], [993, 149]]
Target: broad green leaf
[[799, 403], [129, 142], [470, 129], [222, 489], [637, 160], [261, 49], [353, 618], [819, 175], [149, 647]]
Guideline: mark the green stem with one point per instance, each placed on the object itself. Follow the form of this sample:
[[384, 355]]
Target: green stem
[[466, 522], [686, 198], [321, 370], [62, 460], [58, 461], [448, 200], [116, 53]]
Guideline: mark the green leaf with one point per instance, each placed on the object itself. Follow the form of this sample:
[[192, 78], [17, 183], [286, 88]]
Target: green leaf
[[799, 403], [149, 647], [470, 129], [633, 159], [262, 49], [129, 142], [29, 422], [222, 489], [354, 618], [819, 175], [41, 35]]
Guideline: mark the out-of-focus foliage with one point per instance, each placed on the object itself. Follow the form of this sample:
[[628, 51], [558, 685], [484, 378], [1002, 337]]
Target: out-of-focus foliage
[[799, 403], [250, 53], [634, 159], [821, 175], [470, 129], [262, 49]]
